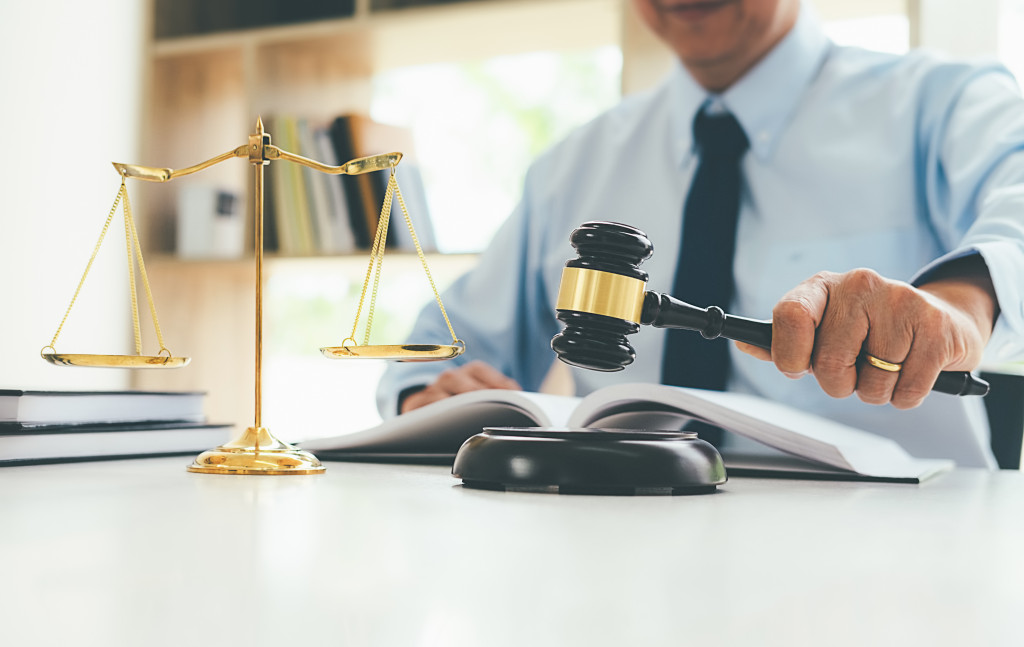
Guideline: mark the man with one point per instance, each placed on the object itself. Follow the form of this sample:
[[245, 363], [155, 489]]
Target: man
[[889, 190]]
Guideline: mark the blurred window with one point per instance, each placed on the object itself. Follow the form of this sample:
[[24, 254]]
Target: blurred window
[[478, 125], [884, 33], [1011, 36]]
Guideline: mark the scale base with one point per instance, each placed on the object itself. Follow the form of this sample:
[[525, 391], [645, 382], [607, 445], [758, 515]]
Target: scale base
[[256, 451], [589, 461]]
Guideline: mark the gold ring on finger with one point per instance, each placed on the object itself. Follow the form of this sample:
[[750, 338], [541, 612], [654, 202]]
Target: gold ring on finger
[[891, 367]]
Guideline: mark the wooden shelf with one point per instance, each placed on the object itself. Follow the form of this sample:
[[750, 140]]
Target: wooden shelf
[[354, 260], [417, 35]]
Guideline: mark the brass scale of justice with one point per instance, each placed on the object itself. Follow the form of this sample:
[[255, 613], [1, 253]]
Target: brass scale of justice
[[257, 450]]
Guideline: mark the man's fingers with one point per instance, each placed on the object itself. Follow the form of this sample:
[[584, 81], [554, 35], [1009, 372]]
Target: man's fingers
[[876, 384], [916, 378], [795, 319], [473, 376], [422, 398], [866, 314], [755, 351], [490, 377]]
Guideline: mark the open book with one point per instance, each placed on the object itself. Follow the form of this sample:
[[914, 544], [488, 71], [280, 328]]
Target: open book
[[806, 445]]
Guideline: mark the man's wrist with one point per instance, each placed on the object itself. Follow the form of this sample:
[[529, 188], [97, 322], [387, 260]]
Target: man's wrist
[[965, 284]]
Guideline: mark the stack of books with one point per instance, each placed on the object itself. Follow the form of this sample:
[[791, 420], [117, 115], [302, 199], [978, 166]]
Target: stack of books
[[64, 426]]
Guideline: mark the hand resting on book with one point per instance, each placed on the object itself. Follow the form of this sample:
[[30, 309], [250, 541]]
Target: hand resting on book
[[474, 376]]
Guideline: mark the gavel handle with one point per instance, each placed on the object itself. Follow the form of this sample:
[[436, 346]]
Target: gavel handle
[[664, 311]]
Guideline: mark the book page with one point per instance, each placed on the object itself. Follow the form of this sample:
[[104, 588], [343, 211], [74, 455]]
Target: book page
[[784, 465], [778, 426], [441, 427]]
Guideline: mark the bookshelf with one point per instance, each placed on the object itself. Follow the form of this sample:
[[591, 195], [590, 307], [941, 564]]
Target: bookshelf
[[204, 90]]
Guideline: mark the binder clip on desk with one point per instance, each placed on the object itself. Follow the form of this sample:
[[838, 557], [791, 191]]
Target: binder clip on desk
[[256, 450]]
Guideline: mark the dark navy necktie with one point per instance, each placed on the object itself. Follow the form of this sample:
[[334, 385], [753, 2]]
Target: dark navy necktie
[[704, 272]]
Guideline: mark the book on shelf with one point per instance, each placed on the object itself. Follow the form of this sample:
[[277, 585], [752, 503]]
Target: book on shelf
[[271, 244], [175, 18], [325, 209], [20, 445], [277, 204], [37, 408], [372, 137], [308, 212], [355, 136], [793, 442], [357, 189], [317, 215], [342, 239], [292, 201], [384, 5]]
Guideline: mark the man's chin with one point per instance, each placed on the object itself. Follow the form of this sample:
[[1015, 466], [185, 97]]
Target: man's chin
[[712, 55]]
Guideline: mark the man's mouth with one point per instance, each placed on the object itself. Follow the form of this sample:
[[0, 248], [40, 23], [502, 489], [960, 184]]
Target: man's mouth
[[693, 11]]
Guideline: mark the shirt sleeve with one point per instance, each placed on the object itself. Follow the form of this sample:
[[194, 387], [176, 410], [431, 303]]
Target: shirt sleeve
[[973, 158], [500, 309]]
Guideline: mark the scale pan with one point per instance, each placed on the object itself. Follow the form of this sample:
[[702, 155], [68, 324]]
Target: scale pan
[[116, 361], [400, 353]]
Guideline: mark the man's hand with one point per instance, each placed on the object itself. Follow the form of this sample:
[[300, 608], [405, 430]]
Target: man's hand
[[473, 376], [823, 326]]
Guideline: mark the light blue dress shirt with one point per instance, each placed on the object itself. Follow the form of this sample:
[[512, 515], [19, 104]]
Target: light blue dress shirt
[[857, 159]]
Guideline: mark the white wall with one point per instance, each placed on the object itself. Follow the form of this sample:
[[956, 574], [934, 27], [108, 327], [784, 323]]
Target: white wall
[[70, 97], [958, 28]]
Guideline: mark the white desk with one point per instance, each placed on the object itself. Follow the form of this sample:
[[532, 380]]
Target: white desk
[[139, 553]]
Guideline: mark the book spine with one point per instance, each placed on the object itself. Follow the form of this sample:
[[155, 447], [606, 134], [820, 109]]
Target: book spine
[[344, 148], [280, 179], [343, 240], [300, 218], [316, 193]]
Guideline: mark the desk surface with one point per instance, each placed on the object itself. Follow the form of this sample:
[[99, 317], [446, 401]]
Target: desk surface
[[144, 553]]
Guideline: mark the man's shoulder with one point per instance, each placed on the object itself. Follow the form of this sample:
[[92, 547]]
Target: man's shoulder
[[922, 70]]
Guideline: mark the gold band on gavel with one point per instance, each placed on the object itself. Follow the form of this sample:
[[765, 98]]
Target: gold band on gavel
[[602, 293]]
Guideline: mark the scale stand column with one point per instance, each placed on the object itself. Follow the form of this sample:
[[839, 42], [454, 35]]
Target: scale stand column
[[257, 451]]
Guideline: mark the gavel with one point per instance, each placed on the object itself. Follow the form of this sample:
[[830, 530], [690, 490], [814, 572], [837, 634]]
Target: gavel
[[602, 299]]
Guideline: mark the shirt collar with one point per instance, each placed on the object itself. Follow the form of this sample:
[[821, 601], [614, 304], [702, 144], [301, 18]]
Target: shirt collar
[[765, 98]]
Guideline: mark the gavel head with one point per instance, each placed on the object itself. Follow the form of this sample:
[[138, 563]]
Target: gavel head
[[601, 296]]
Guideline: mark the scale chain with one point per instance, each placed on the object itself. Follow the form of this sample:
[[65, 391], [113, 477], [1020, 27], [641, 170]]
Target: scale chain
[[376, 258], [131, 271], [380, 242], [423, 259], [131, 240], [88, 266], [377, 261], [145, 277]]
